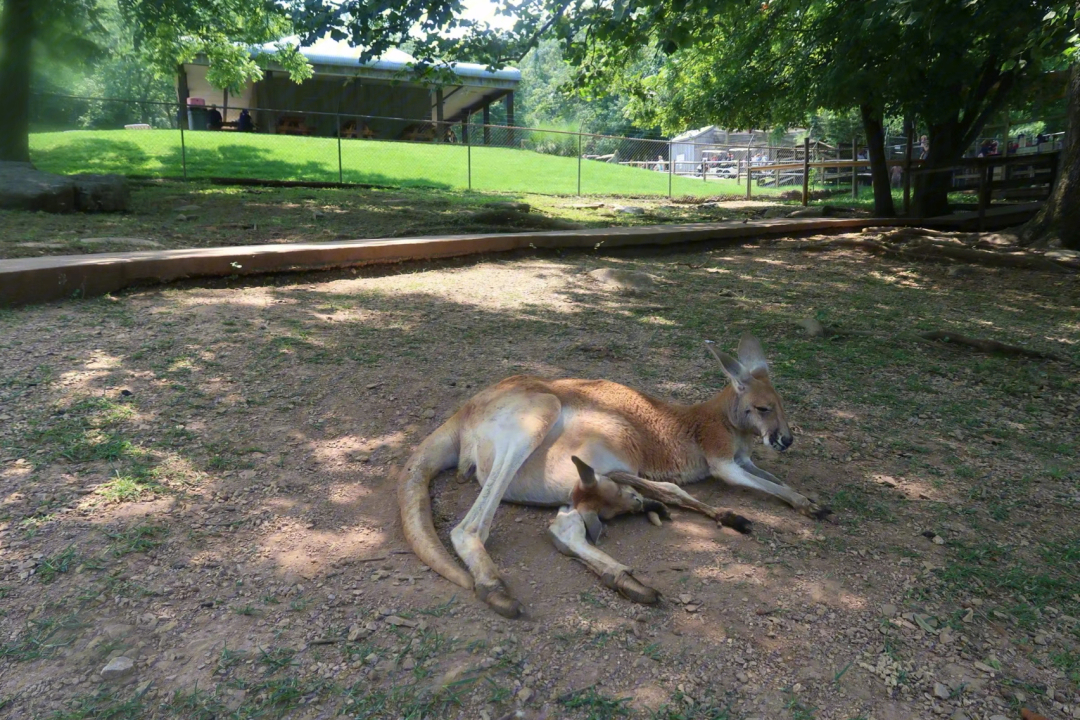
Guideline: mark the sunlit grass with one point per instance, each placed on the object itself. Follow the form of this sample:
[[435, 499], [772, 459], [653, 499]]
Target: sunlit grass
[[279, 157]]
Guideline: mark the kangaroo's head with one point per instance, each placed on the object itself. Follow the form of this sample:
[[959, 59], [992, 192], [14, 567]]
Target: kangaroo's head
[[599, 498], [757, 407]]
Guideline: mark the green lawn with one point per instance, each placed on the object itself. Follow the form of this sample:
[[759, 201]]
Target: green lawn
[[278, 157]]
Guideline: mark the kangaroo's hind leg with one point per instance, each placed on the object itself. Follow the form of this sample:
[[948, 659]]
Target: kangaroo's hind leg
[[568, 533], [505, 437]]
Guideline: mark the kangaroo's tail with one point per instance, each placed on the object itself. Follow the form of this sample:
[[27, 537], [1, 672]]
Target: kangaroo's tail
[[437, 453]]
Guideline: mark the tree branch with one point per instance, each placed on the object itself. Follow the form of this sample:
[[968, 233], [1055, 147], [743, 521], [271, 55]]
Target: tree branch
[[536, 36]]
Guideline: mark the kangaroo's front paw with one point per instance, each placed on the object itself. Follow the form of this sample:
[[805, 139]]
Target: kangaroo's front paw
[[818, 512], [500, 600], [631, 588], [735, 522]]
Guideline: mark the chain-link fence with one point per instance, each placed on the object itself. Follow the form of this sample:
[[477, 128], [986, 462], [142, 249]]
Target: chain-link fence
[[138, 138]]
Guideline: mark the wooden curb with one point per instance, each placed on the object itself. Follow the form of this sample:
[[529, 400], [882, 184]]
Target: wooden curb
[[35, 280]]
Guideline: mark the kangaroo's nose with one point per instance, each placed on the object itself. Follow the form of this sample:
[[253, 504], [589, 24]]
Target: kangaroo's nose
[[786, 440]]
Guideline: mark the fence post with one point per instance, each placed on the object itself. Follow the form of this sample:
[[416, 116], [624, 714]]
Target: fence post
[[854, 170], [183, 151], [907, 171], [985, 170], [340, 172], [468, 158], [749, 176], [579, 164], [670, 168], [806, 171]]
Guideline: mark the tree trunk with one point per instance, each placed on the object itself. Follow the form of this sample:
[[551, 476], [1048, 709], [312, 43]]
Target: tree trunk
[[932, 188], [874, 129], [16, 35], [1059, 218]]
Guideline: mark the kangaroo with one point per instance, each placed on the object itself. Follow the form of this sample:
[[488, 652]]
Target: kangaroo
[[570, 443]]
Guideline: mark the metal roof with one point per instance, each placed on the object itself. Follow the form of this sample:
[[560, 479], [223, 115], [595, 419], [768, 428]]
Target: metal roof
[[331, 53], [691, 134]]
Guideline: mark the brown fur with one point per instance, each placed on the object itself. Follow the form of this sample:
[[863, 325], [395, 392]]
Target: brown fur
[[521, 434]]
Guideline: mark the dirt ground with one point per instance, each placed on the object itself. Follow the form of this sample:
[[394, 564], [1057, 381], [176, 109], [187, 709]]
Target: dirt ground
[[200, 479], [168, 215]]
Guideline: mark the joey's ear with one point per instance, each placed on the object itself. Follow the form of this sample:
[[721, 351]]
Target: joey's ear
[[737, 374], [593, 527], [751, 355], [586, 473]]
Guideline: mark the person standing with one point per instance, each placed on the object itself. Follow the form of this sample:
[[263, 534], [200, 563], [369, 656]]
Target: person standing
[[213, 119]]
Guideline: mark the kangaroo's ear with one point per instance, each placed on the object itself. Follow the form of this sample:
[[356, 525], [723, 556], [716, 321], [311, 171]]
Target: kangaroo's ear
[[586, 473], [737, 374], [594, 528], [751, 355]]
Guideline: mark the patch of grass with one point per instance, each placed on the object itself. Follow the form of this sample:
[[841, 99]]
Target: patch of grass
[[229, 659], [679, 709], [276, 658], [103, 705], [1048, 579], [280, 157], [136, 483], [439, 610], [85, 431], [52, 567], [195, 704], [595, 706], [800, 710], [136, 539], [41, 638], [852, 500], [589, 598], [1068, 661]]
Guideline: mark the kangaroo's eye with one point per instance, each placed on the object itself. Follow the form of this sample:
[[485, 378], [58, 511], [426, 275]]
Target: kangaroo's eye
[[762, 410]]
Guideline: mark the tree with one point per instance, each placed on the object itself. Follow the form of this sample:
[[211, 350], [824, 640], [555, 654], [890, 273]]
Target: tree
[[168, 32], [952, 63], [1059, 218], [66, 30], [963, 62]]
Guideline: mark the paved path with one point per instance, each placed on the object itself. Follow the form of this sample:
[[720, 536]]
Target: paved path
[[57, 277]]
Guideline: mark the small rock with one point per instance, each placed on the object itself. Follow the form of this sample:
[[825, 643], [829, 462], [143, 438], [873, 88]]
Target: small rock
[[524, 695], [428, 414], [628, 210], [522, 207], [118, 668], [811, 212], [742, 677], [1040, 639], [888, 610], [938, 540], [358, 633], [812, 327], [400, 622], [625, 280], [959, 715], [684, 599], [941, 691]]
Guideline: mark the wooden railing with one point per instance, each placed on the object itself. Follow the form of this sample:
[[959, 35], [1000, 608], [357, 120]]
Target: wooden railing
[[1040, 170]]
